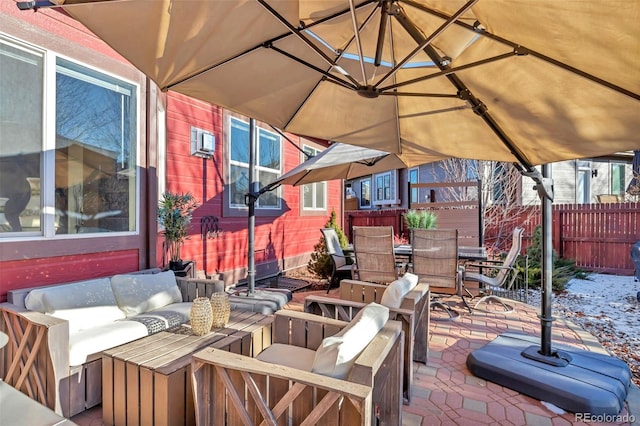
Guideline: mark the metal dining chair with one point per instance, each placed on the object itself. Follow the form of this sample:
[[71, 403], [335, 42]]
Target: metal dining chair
[[341, 268], [496, 277], [435, 261], [375, 258]]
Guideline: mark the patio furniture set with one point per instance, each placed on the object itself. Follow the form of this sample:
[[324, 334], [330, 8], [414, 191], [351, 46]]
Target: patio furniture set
[[126, 342]]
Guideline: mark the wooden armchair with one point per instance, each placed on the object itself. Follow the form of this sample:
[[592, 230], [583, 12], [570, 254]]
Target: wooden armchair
[[234, 389], [413, 314]]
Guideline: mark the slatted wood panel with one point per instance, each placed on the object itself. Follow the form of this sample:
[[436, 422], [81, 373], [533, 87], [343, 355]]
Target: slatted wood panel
[[413, 314], [148, 381], [232, 389], [597, 236]]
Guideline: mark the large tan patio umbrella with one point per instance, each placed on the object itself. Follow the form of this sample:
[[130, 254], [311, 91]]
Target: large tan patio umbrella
[[525, 81]]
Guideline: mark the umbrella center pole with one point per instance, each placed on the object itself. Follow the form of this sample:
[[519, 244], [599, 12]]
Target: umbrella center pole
[[250, 200]]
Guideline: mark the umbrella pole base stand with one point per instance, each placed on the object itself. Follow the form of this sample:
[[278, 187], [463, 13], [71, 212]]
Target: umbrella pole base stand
[[575, 380]]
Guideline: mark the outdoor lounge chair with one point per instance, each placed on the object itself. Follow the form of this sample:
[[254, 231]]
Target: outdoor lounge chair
[[297, 388], [497, 277], [435, 261], [341, 268], [375, 259], [412, 311]]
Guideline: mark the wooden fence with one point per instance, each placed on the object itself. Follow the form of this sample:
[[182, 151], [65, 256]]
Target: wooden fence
[[597, 236]]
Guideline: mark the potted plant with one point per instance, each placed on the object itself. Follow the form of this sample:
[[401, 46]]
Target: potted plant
[[420, 219], [174, 215]]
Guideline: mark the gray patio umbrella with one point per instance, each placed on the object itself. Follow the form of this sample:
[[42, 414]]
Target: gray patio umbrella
[[525, 81], [344, 161]]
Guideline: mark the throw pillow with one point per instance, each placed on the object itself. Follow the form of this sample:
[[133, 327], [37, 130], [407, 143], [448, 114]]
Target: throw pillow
[[395, 292], [139, 293], [337, 354]]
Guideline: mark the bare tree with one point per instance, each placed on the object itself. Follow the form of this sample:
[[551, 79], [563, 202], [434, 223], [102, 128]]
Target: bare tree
[[500, 200]]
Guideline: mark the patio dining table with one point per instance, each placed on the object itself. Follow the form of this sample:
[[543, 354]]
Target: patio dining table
[[464, 252]]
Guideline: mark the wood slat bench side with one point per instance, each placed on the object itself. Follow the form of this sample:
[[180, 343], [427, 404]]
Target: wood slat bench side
[[236, 389]]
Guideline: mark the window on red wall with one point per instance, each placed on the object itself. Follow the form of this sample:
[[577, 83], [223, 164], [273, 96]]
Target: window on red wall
[[314, 195], [268, 164], [78, 176]]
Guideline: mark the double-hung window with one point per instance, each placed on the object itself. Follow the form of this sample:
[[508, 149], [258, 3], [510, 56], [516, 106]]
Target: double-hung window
[[314, 195], [68, 139], [617, 178], [268, 164]]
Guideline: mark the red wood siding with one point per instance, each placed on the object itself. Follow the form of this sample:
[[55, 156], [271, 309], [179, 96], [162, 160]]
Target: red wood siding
[[289, 235], [61, 269]]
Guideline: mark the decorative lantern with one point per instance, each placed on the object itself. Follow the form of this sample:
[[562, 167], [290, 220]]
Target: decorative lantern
[[221, 308], [201, 316]]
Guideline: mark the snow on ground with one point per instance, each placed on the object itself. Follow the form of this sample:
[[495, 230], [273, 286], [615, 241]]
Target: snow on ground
[[608, 307]]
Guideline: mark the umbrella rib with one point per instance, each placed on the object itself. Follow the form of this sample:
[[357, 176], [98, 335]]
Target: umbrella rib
[[324, 73], [264, 44], [427, 41], [451, 70], [302, 38], [424, 95], [356, 34], [476, 28], [478, 107]]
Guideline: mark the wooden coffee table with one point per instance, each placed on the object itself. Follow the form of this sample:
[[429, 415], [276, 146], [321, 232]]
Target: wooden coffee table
[[148, 381]]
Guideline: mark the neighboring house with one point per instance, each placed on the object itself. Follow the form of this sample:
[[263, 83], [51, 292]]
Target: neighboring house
[[582, 181], [88, 144], [575, 182]]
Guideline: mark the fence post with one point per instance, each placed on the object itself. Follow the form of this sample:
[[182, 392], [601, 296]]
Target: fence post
[[557, 230]]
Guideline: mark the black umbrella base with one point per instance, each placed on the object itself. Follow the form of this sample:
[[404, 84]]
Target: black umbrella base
[[575, 380]]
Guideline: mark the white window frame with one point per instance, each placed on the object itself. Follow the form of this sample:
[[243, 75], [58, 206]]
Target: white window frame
[[47, 177], [413, 191], [313, 187], [259, 168], [389, 181], [362, 198]]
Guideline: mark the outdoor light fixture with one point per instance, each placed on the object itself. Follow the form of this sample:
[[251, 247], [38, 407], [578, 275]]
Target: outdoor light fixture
[[594, 173]]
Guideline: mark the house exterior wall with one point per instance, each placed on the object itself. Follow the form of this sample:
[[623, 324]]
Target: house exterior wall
[[598, 175], [40, 260], [283, 239]]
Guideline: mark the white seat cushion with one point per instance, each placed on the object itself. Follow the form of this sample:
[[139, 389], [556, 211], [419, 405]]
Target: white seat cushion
[[84, 318], [337, 354], [139, 293], [395, 292], [289, 356], [97, 339]]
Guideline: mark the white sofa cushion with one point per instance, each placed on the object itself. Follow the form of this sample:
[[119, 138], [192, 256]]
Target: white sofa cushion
[[395, 292], [337, 354], [138, 293], [84, 318], [288, 355], [97, 339], [82, 294]]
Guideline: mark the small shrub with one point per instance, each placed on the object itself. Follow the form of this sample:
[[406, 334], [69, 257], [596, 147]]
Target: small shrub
[[563, 269], [420, 219], [320, 262]]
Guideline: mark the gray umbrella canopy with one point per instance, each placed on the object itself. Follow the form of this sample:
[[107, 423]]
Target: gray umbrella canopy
[[526, 81], [343, 161]]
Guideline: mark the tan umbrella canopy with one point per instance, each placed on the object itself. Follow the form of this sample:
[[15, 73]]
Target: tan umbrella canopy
[[524, 81], [343, 161], [527, 81]]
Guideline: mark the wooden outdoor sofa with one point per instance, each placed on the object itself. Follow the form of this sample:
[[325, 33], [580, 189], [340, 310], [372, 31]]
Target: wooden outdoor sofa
[[41, 359], [235, 389], [413, 313]]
